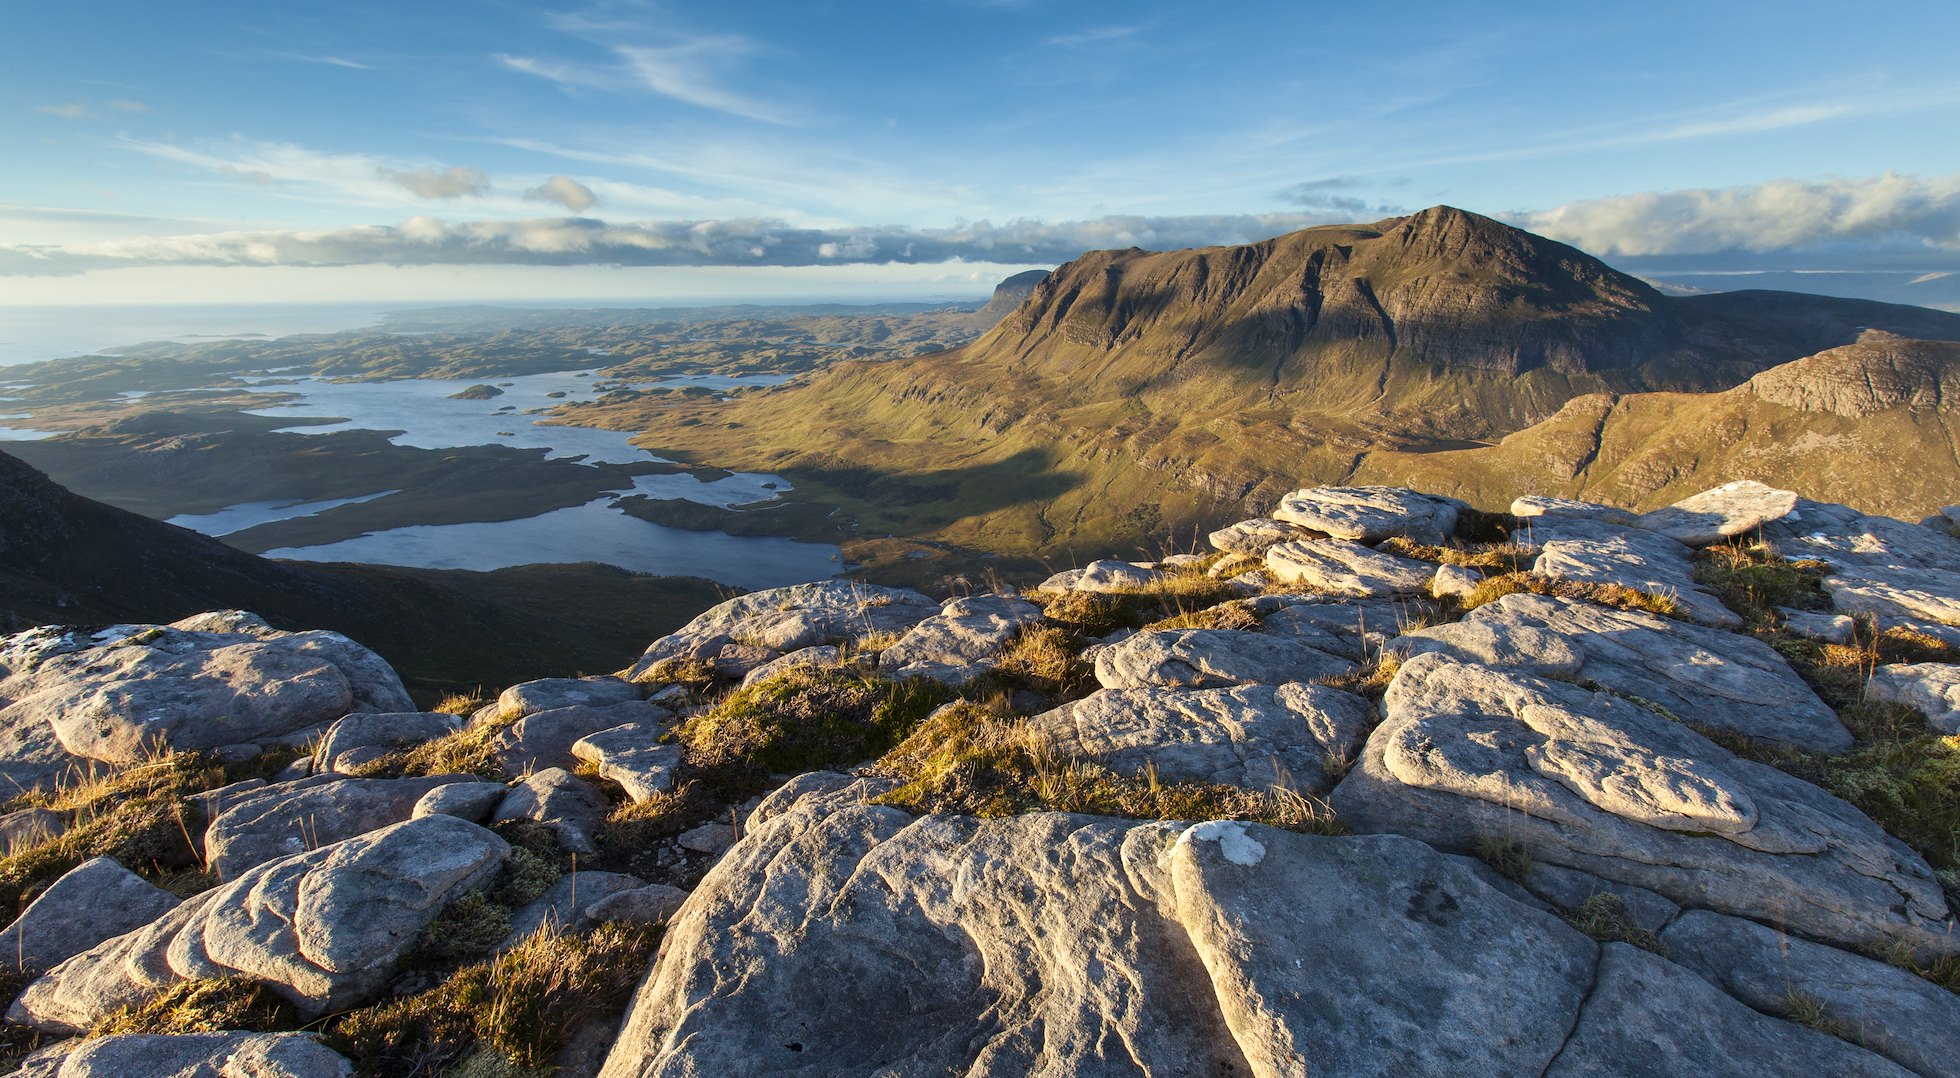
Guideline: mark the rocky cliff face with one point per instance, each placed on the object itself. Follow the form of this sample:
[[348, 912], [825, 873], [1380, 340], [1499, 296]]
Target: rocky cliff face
[[1379, 784]]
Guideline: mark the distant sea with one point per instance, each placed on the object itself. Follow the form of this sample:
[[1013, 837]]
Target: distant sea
[[29, 334]]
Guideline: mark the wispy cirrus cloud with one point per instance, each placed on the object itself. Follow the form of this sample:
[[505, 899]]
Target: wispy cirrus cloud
[[690, 67], [1094, 36]]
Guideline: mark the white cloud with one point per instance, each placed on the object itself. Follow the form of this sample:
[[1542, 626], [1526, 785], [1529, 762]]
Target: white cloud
[[1777, 215], [582, 241], [1095, 36], [564, 191], [71, 110], [453, 182]]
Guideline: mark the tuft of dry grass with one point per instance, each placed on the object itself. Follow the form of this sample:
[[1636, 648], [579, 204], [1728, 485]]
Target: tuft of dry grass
[[1613, 595], [1498, 557], [1753, 580], [1047, 659], [204, 1005], [971, 760], [1605, 917], [807, 718], [462, 703], [1233, 615], [525, 1004], [1507, 857]]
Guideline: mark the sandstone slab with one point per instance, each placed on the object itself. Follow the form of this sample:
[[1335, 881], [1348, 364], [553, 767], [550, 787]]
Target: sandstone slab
[[1881, 1007], [92, 902], [1256, 736], [967, 632], [1190, 947], [1211, 658], [288, 818], [1339, 567], [202, 1055], [1933, 688], [1589, 781], [788, 619], [166, 688], [1371, 514], [1641, 561], [471, 800], [1106, 576], [1725, 512], [633, 756], [547, 694], [324, 929], [388, 732], [1254, 536], [544, 739], [1697, 674], [821, 655]]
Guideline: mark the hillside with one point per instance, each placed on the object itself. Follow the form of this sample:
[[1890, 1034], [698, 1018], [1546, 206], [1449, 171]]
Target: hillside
[[1872, 422], [67, 559], [1135, 396]]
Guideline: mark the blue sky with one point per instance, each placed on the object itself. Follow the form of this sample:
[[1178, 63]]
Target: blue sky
[[241, 152]]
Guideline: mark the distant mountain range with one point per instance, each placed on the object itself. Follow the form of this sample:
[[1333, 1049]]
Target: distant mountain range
[[1137, 395]]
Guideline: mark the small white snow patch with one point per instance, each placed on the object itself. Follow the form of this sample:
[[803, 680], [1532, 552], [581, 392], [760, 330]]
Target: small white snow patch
[[1237, 846]]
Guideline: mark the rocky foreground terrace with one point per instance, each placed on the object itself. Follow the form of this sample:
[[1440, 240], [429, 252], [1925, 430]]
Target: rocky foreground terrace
[[1379, 784]]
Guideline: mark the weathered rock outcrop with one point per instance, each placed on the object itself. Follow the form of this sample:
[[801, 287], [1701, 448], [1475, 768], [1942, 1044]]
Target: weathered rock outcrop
[[147, 688], [1371, 514], [961, 641], [782, 620], [289, 818], [1469, 754], [1212, 658], [91, 902], [1339, 567], [1256, 736], [1159, 948], [1698, 675], [324, 929], [197, 1055]]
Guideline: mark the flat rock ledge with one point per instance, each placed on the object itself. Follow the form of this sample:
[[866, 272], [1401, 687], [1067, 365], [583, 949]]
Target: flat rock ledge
[[1214, 948], [1469, 754]]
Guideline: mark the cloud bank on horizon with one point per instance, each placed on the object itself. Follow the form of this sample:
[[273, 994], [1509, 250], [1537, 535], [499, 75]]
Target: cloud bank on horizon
[[1881, 221]]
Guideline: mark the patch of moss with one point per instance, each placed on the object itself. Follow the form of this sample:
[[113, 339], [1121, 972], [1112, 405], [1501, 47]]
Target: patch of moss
[[204, 1005], [524, 1004], [808, 718], [465, 928]]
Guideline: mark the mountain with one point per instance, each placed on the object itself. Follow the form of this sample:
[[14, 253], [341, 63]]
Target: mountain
[[1871, 423], [1010, 293], [1135, 396], [67, 559]]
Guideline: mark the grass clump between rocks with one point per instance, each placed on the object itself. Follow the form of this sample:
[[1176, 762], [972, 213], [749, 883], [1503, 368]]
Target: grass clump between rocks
[[525, 1004], [1617, 596], [1498, 557], [1605, 917], [1753, 580], [808, 718], [972, 760], [204, 1005]]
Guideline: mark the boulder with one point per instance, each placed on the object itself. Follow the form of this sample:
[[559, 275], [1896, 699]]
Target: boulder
[[1371, 514], [1727, 511], [1211, 658], [710, 838], [167, 689], [632, 756], [1647, 1016], [547, 694], [472, 800], [1933, 688], [1828, 628], [821, 655], [847, 938], [1697, 674], [788, 619], [1454, 582], [1362, 625], [561, 801], [1535, 507], [1897, 1014], [202, 1055], [1899, 573], [1254, 536], [565, 907], [387, 732], [1587, 780], [1106, 576], [544, 739], [91, 902], [968, 632], [29, 827], [324, 929], [1339, 567], [1256, 736], [287, 818], [655, 903], [1641, 561]]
